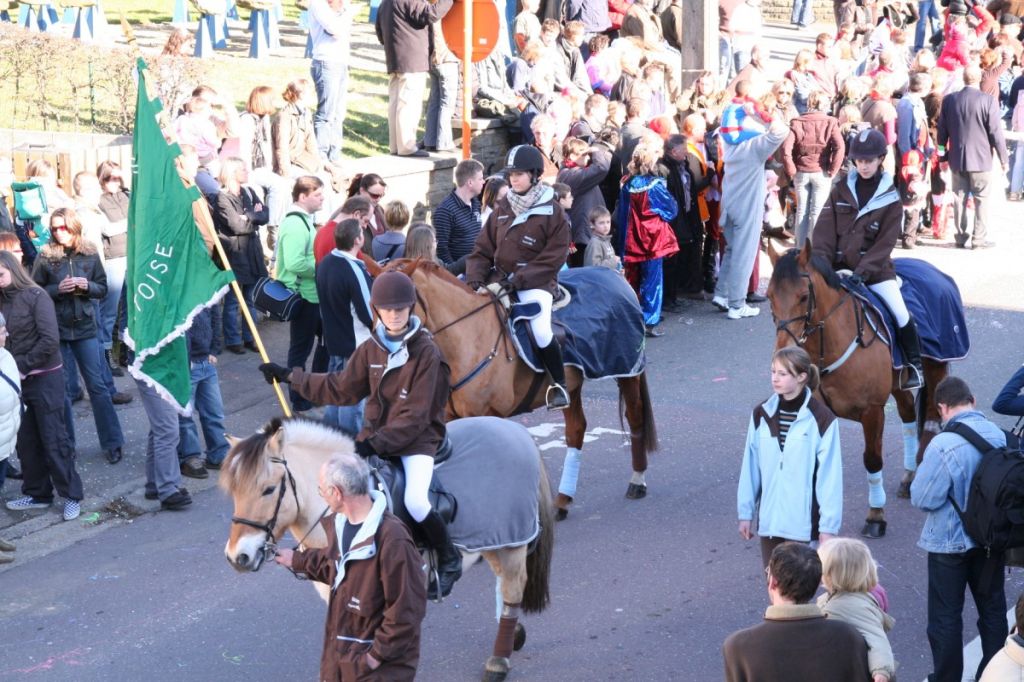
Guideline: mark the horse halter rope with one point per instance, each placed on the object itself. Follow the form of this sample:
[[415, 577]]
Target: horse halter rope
[[810, 327], [269, 547]]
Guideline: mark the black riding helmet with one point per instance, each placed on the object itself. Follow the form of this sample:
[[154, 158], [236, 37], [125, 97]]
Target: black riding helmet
[[868, 144], [393, 290], [527, 158]]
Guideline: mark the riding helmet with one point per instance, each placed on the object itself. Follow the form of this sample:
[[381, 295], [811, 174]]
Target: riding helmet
[[525, 157], [868, 144], [393, 290]]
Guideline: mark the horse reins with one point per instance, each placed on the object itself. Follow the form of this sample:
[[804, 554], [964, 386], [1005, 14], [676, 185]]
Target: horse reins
[[496, 303]]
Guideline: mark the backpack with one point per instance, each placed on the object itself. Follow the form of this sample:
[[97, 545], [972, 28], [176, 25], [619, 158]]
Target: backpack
[[994, 516]]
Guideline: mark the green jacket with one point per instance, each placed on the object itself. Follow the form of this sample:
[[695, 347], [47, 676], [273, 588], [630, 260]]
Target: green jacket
[[296, 267]]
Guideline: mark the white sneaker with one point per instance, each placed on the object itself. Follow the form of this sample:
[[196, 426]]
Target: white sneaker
[[720, 302], [72, 508], [743, 311]]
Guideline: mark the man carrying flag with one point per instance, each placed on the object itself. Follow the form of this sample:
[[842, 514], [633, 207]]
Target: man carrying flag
[[170, 279]]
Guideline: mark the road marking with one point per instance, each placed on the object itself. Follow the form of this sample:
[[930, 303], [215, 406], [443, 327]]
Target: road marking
[[972, 652], [548, 429]]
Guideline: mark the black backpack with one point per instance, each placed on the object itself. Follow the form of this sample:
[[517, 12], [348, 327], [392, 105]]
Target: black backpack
[[994, 517]]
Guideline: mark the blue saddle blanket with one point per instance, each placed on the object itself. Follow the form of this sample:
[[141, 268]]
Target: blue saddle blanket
[[603, 325], [933, 300]]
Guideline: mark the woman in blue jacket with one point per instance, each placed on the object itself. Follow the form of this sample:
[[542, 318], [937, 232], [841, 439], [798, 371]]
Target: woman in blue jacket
[[792, 461]]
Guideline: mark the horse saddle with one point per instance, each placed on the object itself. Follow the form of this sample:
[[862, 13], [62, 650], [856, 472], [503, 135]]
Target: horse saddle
[[388, 476], [519, 318]]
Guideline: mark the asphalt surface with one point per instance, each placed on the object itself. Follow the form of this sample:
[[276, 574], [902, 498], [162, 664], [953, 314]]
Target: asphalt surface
[[641, 590]]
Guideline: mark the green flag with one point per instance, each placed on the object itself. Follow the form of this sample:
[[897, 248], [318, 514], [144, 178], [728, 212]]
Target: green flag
[[170, 277]]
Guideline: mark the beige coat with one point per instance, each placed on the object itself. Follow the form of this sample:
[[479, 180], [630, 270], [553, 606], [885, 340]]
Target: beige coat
[[860, 610], [1007, 665]]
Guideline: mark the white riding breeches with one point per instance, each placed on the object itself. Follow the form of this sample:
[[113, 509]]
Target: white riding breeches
[[419, 470], [889, 291], [540, 325]]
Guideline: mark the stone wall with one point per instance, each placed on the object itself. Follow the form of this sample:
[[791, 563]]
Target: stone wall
[[490, 142], [779, 11], [422, 183]]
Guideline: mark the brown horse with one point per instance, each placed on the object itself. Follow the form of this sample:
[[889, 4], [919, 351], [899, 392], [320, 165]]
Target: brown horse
[[845, 339], [488, 378]]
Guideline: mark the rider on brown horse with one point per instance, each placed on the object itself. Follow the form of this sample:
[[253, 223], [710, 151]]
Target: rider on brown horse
[[401, 369], [857, 231], [521, 247]]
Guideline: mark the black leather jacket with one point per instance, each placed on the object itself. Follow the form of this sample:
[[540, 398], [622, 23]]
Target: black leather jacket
[[76, 314]]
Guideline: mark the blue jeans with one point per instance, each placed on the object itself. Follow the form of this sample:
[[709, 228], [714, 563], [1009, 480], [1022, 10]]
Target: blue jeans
[[330, 80], [726, 66], [444, 84], [948, 576], [803, 13], [812, 190], [236, 330], [87, 354], [1017, 171], [348, 418], [209, 405], [71, 368], [929, 16]]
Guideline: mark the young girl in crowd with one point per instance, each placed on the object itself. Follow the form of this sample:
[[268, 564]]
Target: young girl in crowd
[[850, 578], [792, 461], [391, 245]]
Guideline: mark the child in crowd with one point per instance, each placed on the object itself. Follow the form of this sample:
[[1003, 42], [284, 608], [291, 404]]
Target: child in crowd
[[850, 577], [563, 193], [203, 348], [527, 25], [391, 244], [913, 196], [792, 457], [599, 251], [602, 65]]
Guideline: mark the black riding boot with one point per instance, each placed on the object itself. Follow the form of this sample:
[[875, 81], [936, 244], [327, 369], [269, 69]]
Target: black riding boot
[[910, 344], [557, 397], [449, 561]]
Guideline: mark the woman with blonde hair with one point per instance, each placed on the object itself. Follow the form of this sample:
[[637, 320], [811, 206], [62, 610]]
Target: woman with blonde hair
[[70, 271], [803, 80], [646, 212], [850, 578], [256, 149], [792, 460]]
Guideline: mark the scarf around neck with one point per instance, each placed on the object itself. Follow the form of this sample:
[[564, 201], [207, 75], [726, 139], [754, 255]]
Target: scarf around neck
[[524, 202]]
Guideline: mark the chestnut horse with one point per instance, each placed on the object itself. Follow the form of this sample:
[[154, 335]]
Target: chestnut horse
[[272, 478], [488, 378], [844, 338]]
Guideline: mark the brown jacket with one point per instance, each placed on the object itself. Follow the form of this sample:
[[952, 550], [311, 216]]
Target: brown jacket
[[862, 239], [294, 143], [378, 598], [406, 392], [814, 145], [527, 250]]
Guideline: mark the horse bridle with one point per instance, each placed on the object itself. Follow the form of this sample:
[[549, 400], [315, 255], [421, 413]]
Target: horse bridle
[[810, 327], [269, 547], [494, 302]]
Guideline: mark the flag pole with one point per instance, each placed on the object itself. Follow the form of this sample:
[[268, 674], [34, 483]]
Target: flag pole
[[219, 248]]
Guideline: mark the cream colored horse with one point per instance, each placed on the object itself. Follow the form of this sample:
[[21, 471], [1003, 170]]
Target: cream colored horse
[[272, 478]]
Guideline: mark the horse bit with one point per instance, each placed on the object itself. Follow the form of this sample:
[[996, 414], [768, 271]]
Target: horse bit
[[269, 548]]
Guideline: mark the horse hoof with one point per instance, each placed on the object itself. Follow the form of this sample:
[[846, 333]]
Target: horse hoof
[[636, 491], [874, 529], [561, 514], [496, 669], [519, 639], [904, 490]]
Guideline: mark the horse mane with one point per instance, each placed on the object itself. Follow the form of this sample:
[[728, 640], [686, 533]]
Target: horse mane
[[787, 268], [411, 265], [247, 460]]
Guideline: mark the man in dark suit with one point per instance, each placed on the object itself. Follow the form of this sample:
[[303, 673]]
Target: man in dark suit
[[969, 129]]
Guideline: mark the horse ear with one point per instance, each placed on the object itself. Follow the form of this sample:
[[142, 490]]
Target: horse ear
[[274, 444], [232, 441], [773, 253], [805, 253], [372, 266]]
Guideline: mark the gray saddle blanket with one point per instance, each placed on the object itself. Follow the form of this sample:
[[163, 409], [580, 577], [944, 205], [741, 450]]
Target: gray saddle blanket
[[494, 472]]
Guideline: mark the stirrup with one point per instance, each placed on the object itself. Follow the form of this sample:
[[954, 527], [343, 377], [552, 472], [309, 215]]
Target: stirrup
[[560, 399], [914, 379]]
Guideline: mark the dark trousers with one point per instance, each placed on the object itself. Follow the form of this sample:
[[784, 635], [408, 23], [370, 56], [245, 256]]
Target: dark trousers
[[47, 459], [305, 332], [683, 275], [948, 576]]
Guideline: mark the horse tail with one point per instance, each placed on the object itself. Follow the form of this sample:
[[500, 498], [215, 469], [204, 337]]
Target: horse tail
[[538, 562], [650, 434]]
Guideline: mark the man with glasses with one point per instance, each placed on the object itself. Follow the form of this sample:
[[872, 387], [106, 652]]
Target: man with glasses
[[777, 649], [378, 592]]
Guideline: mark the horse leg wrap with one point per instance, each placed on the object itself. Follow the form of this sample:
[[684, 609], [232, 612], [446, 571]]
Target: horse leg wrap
[[876, 493], [910, 446], [570, 472], [505, 638], [638, 478]]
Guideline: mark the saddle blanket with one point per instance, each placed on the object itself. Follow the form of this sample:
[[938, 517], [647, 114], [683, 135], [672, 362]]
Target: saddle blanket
[[603, 325], [933, 300], [494, 473]]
